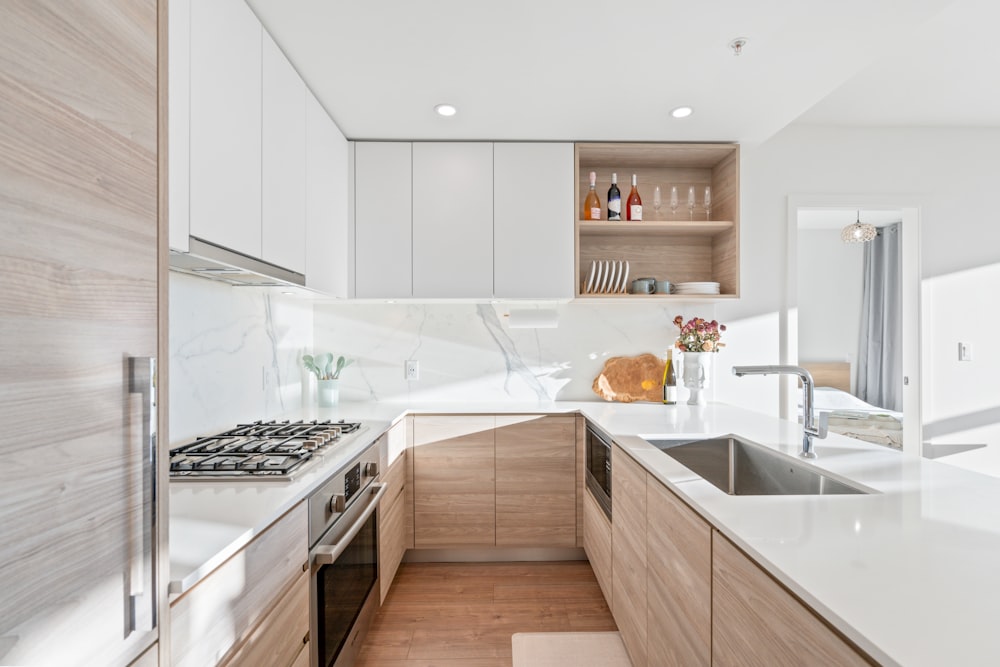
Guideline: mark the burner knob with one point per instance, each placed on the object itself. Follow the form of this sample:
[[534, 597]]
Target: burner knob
[[337, 503], [371, 469]]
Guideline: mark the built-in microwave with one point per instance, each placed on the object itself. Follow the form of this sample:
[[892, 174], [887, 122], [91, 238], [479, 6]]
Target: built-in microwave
[[598, 453]]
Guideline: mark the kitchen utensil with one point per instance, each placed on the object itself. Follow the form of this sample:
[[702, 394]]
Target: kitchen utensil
[[643, 286], [663, 287]]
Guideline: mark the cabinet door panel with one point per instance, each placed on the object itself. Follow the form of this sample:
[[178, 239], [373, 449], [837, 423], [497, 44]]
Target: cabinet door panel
[[628, 506], [454, 484], [225, 177], [536, 480], [328, 249], [755, 621], [283, 196], [383, 220], [533, 220], [679, 572], [452, 220], [392, 527], [597, 543]]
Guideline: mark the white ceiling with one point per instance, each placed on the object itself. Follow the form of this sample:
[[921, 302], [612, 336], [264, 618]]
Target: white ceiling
[[586, 70]]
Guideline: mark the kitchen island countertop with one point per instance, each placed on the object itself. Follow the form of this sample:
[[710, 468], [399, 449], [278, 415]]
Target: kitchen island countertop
[[908, 573]]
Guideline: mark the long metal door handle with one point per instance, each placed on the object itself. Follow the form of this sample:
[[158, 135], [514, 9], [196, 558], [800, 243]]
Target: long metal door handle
[[329, 553], [141, 593]]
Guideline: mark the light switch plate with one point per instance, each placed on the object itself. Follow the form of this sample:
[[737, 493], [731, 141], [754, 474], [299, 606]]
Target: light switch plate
[[412, 369], [965, 352]]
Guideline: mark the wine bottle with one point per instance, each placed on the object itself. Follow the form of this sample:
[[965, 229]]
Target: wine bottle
[[669, 381], [634, 209], [592, 206], [614, 200]]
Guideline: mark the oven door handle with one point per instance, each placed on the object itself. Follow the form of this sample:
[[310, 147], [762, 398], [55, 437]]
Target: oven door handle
[[327, 554]]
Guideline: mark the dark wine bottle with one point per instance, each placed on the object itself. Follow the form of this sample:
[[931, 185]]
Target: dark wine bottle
[[614, 200]]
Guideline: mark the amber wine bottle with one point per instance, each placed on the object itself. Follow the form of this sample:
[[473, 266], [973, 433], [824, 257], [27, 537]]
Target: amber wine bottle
[[614, 200], [634, 209], [669, 380], [592, 206]]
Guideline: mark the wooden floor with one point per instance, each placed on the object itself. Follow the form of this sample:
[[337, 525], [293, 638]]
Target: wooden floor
[[463, 614]]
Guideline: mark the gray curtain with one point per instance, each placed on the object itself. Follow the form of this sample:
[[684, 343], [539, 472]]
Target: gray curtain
[[879, 378]]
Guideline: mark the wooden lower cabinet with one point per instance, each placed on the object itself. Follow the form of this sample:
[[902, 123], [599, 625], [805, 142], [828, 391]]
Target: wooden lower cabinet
[[597, 544], [679, 578], [628, 508], [535, 480], [282, 635], [756, 622], [392, 524], [454, 502], [219, 616]]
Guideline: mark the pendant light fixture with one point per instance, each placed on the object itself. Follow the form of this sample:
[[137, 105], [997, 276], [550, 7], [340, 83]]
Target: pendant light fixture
[[858, 232]]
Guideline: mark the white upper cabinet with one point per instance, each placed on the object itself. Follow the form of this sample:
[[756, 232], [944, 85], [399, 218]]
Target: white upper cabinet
[[383, 220], [225, 125], [452, 220], [328, 250], [533, 193], [283, 194]]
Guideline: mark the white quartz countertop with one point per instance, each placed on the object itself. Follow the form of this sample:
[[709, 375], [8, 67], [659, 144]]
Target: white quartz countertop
[[908, 573]]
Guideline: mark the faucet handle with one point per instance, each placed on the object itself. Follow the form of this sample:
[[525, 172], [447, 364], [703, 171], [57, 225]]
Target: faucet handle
[[824, 425]]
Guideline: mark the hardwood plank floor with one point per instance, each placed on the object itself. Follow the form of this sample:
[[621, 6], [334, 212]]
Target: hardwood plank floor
[[463, 614]]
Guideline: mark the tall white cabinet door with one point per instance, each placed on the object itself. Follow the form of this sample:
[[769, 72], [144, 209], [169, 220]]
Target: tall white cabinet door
[[283, 136], [533, 220], [225, 176], [453, 220], [328, 251], [382, 218]]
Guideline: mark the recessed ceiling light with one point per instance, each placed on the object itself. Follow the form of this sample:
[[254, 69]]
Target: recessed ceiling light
[[445, 109], [682, 112]]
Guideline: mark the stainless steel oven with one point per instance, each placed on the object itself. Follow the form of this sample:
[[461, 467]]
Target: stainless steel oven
[[598, 453], [343, 556]]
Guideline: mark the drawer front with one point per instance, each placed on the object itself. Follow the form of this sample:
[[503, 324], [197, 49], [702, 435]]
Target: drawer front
[[235, 597], [282, 634], [392, 537]]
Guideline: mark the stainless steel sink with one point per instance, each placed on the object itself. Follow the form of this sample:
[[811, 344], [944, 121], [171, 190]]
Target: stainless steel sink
[[742, 468]]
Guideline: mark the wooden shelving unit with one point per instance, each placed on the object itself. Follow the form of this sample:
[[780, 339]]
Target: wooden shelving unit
[[664, 246]]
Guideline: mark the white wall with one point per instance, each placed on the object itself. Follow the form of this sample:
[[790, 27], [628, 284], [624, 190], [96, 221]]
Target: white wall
[[234, 354], [951, 174], [830, 283]]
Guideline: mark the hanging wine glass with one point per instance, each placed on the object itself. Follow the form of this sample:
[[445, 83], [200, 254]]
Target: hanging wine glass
[[691, 202], [708, 202], [673, 201]]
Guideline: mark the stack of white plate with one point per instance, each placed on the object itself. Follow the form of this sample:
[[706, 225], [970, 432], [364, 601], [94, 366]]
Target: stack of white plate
[[607, 276], [696, 288]]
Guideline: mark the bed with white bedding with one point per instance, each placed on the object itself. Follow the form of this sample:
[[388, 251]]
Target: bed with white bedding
[[847, 414]]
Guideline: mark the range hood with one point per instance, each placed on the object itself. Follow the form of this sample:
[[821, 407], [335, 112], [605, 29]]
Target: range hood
[[207, 260]]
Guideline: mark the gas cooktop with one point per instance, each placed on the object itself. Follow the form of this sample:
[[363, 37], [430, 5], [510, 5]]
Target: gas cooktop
[[259, 451]]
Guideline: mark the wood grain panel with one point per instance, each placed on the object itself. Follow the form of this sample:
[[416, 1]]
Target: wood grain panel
[[453, 478], [755, 621], [78, 296], [279, 638], [597, 544], [628, 542], [679, 571], [238, 594], [392, 524], [581, 467], [536, 480]]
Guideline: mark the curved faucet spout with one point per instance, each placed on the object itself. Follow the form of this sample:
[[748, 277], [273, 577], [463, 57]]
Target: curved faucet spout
[[810, 428]]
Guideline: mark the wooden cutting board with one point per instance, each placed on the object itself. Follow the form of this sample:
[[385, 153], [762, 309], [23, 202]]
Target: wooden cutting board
[[630, 379]]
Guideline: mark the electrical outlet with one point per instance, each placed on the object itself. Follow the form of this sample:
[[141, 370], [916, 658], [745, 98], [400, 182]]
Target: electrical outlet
[[412, 369], [965, 351]]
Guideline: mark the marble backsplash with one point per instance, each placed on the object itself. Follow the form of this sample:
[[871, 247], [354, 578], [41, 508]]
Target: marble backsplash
[[468, 352], [234, 354]]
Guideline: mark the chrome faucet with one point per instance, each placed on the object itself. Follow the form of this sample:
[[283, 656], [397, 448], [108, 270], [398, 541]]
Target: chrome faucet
[[810, 429]]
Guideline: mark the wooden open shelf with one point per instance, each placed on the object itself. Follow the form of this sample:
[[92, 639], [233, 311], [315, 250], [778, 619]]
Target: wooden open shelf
[[678, 250]]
